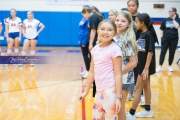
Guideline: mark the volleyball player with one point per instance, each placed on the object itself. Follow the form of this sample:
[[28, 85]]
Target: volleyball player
[[13, 32], [31, 34]]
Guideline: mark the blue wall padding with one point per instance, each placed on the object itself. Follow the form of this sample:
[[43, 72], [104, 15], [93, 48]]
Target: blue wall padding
[[61, 28]]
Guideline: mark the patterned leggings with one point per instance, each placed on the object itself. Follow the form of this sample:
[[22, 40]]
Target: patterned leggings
[[105, 105]]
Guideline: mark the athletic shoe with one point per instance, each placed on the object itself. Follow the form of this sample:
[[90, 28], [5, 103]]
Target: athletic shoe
[[178, 49], [159, 69], [82, 73], [142, 101], [85, 75], [130, 117], [32, 65], [130, 97], [20, 65], [170, 69], [144, 114], [5, 65]]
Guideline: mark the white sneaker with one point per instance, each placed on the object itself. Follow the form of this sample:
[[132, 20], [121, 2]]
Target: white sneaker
[[170, 69], [85, 75], [32, 65], [142, 101], [130, 117], [178, 49], [82, 73], [144, 114], [159, 69], [130, 97]]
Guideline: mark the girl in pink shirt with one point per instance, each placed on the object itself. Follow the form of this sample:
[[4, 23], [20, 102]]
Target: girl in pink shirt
[[106, 70]]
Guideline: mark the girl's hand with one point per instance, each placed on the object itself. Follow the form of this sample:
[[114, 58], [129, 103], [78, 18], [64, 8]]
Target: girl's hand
[[37, 34], [145, 73], [118, 105], [90, 47], [174, 17], [84, 94]]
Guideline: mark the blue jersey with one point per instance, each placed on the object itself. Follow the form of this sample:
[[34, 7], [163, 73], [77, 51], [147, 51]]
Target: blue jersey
[[83, 31]]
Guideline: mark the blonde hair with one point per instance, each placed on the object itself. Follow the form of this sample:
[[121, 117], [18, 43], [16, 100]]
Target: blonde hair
[[129, 35], [115, 12], [110, 22], [31, 12], [96, 11]]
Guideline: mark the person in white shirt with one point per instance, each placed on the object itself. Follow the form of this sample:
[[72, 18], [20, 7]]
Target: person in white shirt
[[0, 27], [13, 32], [30, 32]]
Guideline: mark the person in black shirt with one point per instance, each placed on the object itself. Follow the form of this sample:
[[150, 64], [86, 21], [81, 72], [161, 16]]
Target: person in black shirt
[[146, 67], [132, 7], [169, 37], [95, 18]]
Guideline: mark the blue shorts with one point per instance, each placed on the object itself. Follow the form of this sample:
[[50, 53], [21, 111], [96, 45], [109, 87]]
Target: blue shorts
[[36, 38], [14, 35]]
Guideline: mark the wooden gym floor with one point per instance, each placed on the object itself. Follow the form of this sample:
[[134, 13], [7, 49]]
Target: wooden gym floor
[[50, 91]]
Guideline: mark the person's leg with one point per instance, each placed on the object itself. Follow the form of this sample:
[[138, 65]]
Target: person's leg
[[122, 114], [33, 47], [147, 111], [108, 98], [164, 47], [137, 94], [85, 53], [147, 91], [172, 49], [16, 46], [25, 46], [135, 73], [97, 112], [10, 46]]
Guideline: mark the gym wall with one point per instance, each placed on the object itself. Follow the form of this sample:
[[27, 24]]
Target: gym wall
[[61, 21]]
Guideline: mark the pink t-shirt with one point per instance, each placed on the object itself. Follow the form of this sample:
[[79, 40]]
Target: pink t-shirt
[[103, 65]]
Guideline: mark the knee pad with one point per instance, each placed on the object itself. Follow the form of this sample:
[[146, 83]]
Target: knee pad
[[32, 52], [0, 49], [23, 53], [16, 50], [9, 51]]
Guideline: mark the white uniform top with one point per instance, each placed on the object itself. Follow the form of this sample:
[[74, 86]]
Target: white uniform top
[[13, 24], [31, 28]]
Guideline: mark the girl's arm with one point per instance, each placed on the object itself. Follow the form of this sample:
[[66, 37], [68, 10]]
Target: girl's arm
[[176, 25], [145, 72], [161, 33], [7, 31], [41, 28], [90, 80], [20, 31], [1, 28], [117, 62], [92, 36], [131, 64]]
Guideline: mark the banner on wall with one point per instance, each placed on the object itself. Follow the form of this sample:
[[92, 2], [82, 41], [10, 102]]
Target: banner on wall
[[72, 2]]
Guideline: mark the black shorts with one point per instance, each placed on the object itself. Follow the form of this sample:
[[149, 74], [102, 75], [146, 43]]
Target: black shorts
[[36, 38]]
